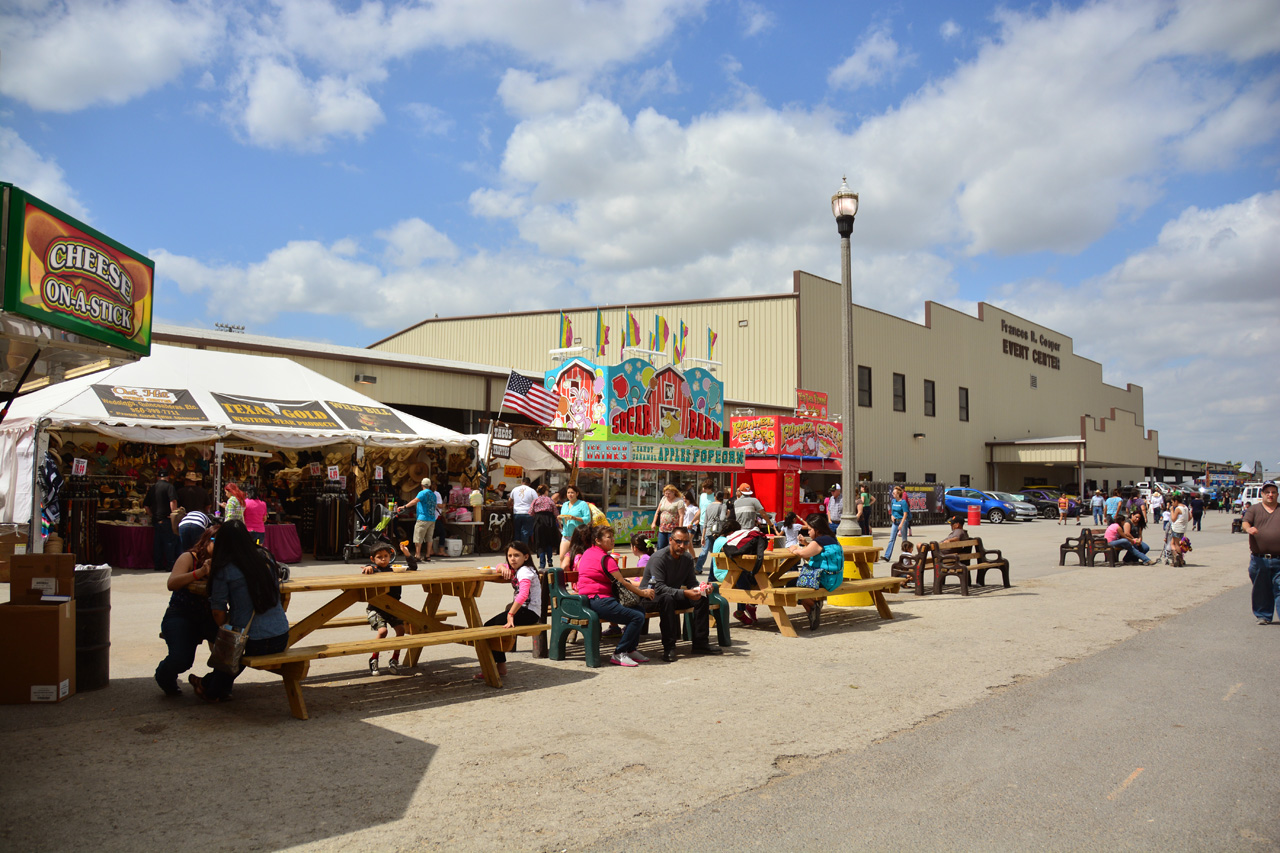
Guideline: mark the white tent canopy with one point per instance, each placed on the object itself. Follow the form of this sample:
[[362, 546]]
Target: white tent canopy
[[179, 395], [533, 456]]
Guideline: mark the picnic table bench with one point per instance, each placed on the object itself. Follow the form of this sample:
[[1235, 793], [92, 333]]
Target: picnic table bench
[[425, 627], [570, 613], [777, 570]]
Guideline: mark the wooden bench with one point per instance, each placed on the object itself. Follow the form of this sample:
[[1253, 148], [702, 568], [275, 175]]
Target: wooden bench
[[363, 621], [1099, 546], [1078, 545], [959, 557], [911, 568], [570, 613], [293, 663], [778, 570]]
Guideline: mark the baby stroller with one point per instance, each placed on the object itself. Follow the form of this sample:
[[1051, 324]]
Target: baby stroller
[[371, 530]]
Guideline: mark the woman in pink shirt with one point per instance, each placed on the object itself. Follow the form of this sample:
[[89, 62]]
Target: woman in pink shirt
[[597, 569], [255, 515]]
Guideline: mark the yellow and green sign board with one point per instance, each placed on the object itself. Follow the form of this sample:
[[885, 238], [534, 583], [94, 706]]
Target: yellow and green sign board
[[60, 271]]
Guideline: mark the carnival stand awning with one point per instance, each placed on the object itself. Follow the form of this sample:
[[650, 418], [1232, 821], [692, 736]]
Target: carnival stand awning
[[533, 456], [178, 395]]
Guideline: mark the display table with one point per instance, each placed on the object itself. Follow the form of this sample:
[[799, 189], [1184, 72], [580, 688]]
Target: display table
[[466, 532], [282, 541], [127, 546]]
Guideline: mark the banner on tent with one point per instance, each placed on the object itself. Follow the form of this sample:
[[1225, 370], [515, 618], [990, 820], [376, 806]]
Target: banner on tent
[[152, 404], [290, 414], [369, 418]]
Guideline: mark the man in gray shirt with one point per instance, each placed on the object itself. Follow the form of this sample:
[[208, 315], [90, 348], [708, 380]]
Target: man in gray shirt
[[675, 585], [746, 508]]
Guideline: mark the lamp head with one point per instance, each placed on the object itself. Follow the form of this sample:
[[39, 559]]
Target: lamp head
[[844, 206]]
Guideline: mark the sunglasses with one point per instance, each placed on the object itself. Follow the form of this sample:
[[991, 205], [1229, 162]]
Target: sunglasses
[[681, 541]]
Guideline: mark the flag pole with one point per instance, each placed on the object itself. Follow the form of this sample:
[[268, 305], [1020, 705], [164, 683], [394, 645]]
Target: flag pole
[[488, 462]]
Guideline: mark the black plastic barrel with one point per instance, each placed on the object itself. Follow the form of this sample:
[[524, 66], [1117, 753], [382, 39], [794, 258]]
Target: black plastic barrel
[[93, 628]]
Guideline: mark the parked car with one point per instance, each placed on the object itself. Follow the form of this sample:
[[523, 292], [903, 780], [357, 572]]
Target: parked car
[[1046, 500], [958, 499], [1022, 510]]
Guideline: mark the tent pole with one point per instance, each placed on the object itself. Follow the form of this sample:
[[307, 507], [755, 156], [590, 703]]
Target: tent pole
[[13, 395]]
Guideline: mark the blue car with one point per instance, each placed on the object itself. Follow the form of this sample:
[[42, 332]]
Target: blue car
[[958, 499]]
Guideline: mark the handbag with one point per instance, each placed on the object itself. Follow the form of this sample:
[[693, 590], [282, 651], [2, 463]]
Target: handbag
[[810, 576], [228, 648]]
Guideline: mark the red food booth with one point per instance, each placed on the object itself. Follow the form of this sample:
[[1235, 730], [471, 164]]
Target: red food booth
[[791, 463]]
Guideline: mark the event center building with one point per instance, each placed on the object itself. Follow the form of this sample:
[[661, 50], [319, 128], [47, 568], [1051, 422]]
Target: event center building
[[996, 401]]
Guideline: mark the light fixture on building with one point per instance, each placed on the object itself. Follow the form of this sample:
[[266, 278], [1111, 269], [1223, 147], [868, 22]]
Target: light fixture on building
[[366, 379], [917, 435], [844, 207], [742, 324], [744, 413]]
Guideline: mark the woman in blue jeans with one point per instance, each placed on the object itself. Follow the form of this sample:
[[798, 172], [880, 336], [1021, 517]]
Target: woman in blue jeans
[[597, 570], [901, 512], [242, 587]]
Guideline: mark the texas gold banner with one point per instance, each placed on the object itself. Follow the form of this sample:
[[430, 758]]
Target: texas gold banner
[[290, 414]]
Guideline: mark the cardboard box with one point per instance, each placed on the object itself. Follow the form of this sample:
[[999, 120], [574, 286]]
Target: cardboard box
[[4, 570], [12, 543], [37, 652], [49, 574]]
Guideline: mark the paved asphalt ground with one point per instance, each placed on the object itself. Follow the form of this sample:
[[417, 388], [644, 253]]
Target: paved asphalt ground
[[1168, 741]]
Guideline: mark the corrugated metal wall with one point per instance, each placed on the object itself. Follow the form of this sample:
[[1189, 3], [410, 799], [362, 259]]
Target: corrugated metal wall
[[757, 340]]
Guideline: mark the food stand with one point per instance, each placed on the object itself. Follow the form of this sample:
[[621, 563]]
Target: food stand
[[74, 302], [791, 462], [643, 427]]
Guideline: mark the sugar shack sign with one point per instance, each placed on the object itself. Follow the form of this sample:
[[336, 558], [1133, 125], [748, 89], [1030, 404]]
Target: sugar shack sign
[[290, 414], [152, 404], [60, 271]]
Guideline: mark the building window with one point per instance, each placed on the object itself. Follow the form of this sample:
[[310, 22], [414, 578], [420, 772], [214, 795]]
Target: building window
[[1033, 380], [931, 478], [964, 479], [928, 398], [964, 404], [899, 476], [899, 392], [864, 386], [865, 476]]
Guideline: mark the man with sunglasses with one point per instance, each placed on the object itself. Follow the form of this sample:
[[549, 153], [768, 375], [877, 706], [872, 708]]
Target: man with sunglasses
[[1262, 523], [670, 574]]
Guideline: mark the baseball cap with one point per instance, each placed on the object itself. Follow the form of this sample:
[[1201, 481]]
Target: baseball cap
[[836, 487], [1271, 483], [956, 519], [426, 482]]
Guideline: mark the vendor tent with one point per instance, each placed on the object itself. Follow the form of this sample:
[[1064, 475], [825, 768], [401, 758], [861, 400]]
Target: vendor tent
[[178, 395], [533, 456]]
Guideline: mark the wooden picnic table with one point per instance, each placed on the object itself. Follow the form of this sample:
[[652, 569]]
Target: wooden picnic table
[[778, 568], [424, 627]]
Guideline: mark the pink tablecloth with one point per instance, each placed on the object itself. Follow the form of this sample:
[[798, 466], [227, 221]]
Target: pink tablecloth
[[282, 542], [127, 547]]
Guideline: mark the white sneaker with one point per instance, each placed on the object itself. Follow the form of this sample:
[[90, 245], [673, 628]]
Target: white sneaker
[[637, 657], [623, 659]]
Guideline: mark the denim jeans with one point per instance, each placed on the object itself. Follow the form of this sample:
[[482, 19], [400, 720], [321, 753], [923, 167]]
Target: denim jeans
[[663, 539], [183, 633], [632, 621], [1142, 547], [218, 684], [188, 536], [165, 547], [1129, 548], [522, 527], [893, 536], [1097, 515], [1264, 572]]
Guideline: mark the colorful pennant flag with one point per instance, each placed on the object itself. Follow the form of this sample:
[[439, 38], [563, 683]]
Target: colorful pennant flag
[[602, 334], [678, 348], [633, 331], [566, 331], [661, 331], [711, 344]]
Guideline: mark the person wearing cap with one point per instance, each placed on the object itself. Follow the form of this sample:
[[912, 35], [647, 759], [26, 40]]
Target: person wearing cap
[[192, 495], [380, 620], [161, 501], [425, 526], [747, 509], [1262, 523], [835, 507], [957, 529]]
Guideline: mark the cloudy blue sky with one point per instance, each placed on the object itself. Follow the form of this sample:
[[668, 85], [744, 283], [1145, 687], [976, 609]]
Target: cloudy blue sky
[[337, 170]]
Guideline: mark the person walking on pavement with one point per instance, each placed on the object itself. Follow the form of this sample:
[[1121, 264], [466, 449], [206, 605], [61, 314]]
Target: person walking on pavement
[[900, 511], [1262, 523], [865, 502], [1197, 510], [1096, 503], [522, 498]]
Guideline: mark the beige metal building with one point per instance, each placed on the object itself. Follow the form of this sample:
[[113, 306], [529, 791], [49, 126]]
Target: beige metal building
[[996, 401]]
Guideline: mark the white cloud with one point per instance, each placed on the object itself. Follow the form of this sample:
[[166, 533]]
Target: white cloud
[[658, 80], [756, 19], [949, 29], [283, 108], [1251, 118], [524, 95], [877, 56], [411, 242], [41, 177], [1195, 317], [67, 56], [433, 121]]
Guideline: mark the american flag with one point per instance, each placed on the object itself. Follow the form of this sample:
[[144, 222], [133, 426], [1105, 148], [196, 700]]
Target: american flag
[[530, 399]]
